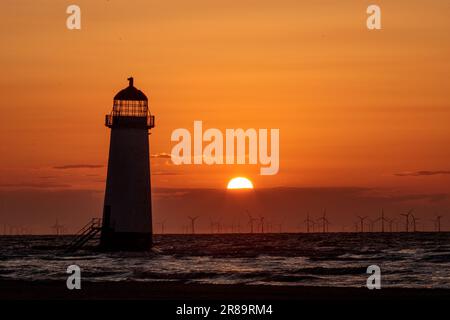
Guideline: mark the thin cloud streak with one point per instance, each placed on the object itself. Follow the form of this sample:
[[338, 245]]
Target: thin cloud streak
[[422, 173], [43, 185], [165, 173], [78, 166]]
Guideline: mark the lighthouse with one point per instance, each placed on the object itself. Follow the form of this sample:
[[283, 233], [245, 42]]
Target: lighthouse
[[127, 211]]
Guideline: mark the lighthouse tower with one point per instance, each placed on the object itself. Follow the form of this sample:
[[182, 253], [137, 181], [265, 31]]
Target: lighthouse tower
[[127, 212]]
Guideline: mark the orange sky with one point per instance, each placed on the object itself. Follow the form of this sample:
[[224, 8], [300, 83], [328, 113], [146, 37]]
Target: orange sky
[[354, 107]]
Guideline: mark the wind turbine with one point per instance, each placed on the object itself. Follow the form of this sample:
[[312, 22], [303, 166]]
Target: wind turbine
[[308, 222], [57, 227], [414, 222], [362, 222], [406, 215], [193, 223], [437, 223], [325, 221], [261, 221], [163, 224], [250, 221], [382, 219]]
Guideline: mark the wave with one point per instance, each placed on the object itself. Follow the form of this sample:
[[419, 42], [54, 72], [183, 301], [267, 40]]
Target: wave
[[406, 260]]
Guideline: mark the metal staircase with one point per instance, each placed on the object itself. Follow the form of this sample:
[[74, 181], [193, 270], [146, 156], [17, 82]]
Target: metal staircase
[[88, 232]]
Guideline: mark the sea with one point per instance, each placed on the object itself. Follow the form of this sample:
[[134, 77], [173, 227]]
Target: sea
[[407, 260]]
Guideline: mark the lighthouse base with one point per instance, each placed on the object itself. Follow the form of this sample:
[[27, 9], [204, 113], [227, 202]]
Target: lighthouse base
[[125, 241]]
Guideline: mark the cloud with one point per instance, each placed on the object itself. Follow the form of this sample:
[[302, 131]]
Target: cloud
[[422, 173], [169, 194], [163, 155], [165, 173], [78, 166], [39, 185]]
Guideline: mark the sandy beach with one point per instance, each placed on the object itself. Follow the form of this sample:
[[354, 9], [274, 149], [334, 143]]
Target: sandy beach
[[56, 290]]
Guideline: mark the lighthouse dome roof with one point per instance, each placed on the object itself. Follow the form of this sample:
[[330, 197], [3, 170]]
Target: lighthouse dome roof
[[130, 93]]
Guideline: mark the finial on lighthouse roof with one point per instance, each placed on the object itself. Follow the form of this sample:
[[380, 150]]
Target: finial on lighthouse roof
[[131, 93], [130, 80]]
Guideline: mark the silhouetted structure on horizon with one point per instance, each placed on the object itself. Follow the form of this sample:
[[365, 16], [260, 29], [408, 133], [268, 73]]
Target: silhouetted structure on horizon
[[414, 220], [163, 225], [261, 222], [127, 213], [437, 223], [58, 228], [250, 221], [193, 219], [407, 215], [361, 219], [308, 222], [382, 219], [325, 221]]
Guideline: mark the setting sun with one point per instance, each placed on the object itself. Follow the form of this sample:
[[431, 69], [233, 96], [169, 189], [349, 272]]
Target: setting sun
[[240, 183]]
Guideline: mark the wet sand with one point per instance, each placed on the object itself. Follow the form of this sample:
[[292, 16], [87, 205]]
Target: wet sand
[[56, 290]]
